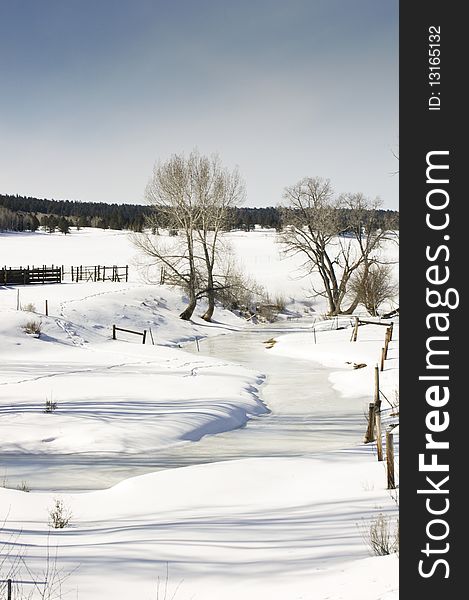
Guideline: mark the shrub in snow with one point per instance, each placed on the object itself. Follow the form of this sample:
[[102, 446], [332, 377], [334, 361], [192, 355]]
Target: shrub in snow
[[50, 406], [59, 515], [280, 303], [381, 536], [33, 328], [23, 487], [30, 307]]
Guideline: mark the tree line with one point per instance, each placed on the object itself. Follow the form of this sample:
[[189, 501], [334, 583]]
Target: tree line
[[78, 214], [25, 213]]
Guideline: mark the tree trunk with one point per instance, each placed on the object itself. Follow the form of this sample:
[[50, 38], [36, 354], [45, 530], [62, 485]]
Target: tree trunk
[[353, 306], [187, 313], [209, 262], [208, 314]]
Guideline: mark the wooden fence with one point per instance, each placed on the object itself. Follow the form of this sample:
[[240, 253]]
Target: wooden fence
[[30, 275], [99, 273], [54, 274], [143, 334], [374, 429]]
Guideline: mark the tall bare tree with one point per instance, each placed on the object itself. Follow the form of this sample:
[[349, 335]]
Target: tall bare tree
[[335, 236], [218, 191], [192, 197]]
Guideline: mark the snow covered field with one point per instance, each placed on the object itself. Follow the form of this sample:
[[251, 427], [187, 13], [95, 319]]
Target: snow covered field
[[254, 528]]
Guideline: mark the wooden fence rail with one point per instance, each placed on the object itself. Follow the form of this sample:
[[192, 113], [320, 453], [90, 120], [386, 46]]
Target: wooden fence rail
[[114, 329], [30, 275], [358, 322]]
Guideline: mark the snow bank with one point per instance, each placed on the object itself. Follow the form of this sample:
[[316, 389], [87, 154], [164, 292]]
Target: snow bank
[[113, 395], [334, 349], [257, 528]]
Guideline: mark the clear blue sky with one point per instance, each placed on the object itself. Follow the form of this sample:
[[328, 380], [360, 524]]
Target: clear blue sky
[[92, 93]]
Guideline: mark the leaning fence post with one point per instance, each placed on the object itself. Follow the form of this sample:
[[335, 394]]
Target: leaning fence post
[[144, 336], [391, 330], [390, 460], [113, 332]]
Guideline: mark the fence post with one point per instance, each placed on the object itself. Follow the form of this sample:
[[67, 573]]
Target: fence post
[[386, 343], [377, 400], [390, 460], [9, 589], [151, 335], [113, 332], [379, 439], [47, 309], [126, 273], [355, 330], [383, 351], [17, 299], [370, 432], [391, 330], [144, 336]]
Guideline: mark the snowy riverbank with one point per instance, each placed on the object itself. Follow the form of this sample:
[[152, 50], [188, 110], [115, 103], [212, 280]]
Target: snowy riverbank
[[280, 528]]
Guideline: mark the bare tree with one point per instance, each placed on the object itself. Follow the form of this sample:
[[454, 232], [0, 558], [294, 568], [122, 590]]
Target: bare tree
[[171, 193], [335, 236], [193, 197], [375, 288], [218, 191]]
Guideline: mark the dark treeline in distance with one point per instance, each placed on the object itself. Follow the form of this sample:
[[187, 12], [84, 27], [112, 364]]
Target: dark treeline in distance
[[77, 214], [21, 213]]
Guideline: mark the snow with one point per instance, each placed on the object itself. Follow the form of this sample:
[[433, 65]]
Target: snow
[[253, 528], [333, 348], [269, 528], [103, 386]]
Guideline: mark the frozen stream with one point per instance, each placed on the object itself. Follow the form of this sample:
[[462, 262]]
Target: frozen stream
[[306, 416]]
